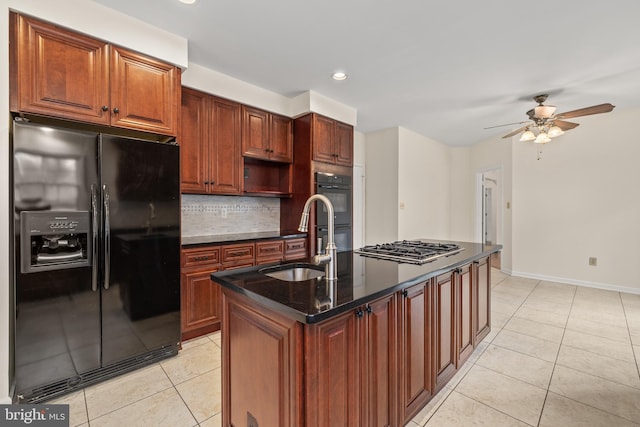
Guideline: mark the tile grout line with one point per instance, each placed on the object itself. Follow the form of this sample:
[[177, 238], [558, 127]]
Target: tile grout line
[[555, 363], [474, 363], [633, 348]]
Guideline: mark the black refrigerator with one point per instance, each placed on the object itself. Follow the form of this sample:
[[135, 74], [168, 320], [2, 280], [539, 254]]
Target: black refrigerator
[[96, 257]]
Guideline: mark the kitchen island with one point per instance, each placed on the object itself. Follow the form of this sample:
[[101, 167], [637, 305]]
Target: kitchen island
[[369, 350]]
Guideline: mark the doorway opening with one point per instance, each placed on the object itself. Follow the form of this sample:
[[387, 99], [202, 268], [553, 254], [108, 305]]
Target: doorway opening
[[490, 201]]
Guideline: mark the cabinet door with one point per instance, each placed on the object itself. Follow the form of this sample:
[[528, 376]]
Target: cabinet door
[[444, 330], [464, 310], [200, 302], [225, 158], [323, 139], [344, 144], [269, 251], [379, 374], [295, 248], [145, 93], [332, 366], [281, 139], [194, 141], [255, 133], [415, 349], [482, 299], [59, 73]]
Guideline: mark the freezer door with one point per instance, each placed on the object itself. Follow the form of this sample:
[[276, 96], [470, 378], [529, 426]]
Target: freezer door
[[140, 183], [57, 311]]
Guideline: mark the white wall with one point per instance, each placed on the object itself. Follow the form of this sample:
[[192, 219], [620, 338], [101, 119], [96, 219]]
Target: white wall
[[580, 200], [423, 187], [381, 193]]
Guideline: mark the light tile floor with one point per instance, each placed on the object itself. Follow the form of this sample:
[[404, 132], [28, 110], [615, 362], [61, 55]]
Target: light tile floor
[[557, 355]]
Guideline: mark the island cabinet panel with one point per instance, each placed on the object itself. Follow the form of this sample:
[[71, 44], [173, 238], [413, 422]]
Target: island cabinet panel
[[262, 381], [444, 327], [64, 74], [380, 368], [415, 349], [332, 368], [482, 299], [351, 368], [465, 311]]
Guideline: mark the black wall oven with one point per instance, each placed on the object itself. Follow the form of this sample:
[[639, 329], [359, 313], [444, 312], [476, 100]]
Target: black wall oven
[[339, 189]]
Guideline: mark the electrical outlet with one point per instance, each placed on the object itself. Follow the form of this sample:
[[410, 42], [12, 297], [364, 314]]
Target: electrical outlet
[[593, 261]]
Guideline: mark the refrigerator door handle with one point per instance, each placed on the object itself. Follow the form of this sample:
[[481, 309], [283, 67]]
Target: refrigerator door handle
[[107, 236], [94, 238]]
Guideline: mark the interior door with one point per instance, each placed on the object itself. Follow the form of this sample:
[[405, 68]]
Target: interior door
[[141, 246]]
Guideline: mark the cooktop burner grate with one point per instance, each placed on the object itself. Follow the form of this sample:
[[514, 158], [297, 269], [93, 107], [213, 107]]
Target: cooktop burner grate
[[410, 251]]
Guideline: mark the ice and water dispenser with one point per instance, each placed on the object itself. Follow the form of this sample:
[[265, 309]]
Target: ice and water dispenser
[[54, 240]]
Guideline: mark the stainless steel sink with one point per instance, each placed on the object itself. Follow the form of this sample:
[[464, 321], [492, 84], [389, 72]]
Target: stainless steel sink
[[293, 272]]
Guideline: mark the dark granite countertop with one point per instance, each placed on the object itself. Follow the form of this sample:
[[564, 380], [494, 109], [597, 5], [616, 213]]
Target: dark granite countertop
[[360, 280], [240, 237]]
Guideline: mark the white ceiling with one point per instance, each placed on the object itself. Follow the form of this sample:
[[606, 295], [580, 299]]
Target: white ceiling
[[445, 69]]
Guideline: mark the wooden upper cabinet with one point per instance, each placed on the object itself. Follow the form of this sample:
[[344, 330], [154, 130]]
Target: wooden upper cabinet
[[225, 160], [323, 139], [61, 73], [209, 139], [344, 144], [193, 138], [332, 141], [266, 136], [58, 73], [144, 93], [281, 129]]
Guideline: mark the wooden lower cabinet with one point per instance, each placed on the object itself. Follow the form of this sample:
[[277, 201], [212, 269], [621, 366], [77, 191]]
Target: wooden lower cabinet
[[262, 381], [444, 324], [200, 297], [374, 366], [482, 299], [465, 312], [415, 349]]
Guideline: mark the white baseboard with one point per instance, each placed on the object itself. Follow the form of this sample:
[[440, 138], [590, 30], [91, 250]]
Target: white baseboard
[[5, 400], [597, 285]]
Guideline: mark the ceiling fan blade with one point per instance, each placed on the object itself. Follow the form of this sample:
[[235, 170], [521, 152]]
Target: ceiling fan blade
[[587, 111], [515, 132], [565, 125], [506, 124]]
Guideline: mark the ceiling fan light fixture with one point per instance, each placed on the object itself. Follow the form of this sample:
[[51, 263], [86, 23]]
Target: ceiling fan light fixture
[[555, 131], [544, 111], [528, 135], [542, 138]]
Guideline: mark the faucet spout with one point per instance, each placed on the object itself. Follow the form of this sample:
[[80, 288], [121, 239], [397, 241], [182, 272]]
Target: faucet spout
[[330, 253]]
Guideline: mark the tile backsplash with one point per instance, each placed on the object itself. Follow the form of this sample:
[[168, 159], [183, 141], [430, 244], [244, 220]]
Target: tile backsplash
[[218, 215]]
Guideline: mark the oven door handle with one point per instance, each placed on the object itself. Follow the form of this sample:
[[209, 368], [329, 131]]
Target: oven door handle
[[107, 236], [94, 238], [331, 187]]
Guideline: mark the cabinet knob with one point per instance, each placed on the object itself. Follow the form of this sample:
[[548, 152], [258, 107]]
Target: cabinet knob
[[105, 108], [116, 110], [359, 313], [405, 293], [369, 309]]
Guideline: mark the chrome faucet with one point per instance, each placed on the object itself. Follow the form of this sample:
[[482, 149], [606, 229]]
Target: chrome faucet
[[330, 252]]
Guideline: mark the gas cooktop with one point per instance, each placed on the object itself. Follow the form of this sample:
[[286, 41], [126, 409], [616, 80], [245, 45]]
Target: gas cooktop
[[410, 251]]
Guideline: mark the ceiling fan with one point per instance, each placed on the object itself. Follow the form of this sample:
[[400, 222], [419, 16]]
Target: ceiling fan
[[545, 124]]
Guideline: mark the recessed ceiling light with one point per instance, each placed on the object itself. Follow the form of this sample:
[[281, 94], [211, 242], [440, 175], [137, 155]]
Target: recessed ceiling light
[[339, 75], [187, 1]]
